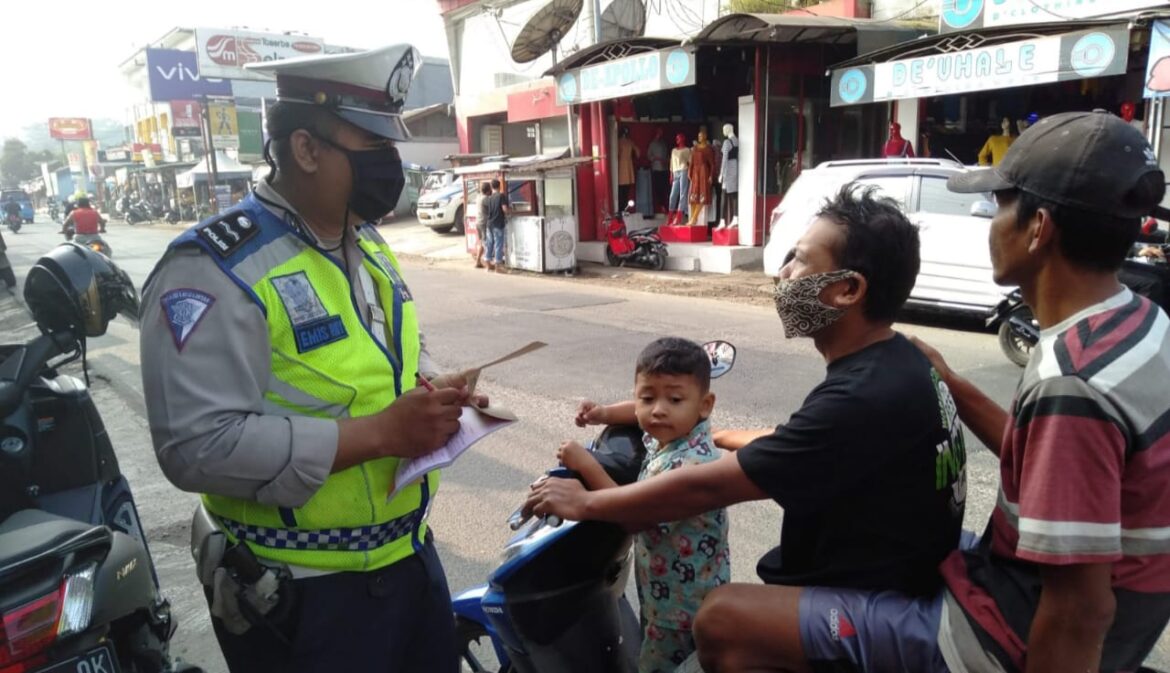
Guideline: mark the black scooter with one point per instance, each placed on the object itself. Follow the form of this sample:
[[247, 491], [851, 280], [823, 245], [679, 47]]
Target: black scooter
[[1019, 332], [78, 589], [556, 602]]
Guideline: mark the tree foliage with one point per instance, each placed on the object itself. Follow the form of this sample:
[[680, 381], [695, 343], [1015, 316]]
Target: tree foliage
[[17, 163]]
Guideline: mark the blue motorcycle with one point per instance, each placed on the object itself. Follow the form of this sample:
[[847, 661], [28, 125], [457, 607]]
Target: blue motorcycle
[[557, 601]]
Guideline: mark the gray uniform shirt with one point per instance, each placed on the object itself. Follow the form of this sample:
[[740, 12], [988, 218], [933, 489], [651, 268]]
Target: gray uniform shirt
[[205, 401]]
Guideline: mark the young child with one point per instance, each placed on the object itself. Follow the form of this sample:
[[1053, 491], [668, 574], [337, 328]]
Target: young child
[[677, 563]]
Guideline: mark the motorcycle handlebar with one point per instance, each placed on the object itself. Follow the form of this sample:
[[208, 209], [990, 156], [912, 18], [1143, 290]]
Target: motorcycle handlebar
[[19, 369]]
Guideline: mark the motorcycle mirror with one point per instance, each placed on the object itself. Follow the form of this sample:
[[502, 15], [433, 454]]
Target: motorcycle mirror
[[722, 356], [983, 209]]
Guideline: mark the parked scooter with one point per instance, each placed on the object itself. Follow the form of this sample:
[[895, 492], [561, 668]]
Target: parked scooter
[[556, 602], [1019, 332], [640, 248], [138, 211], [78, 589]]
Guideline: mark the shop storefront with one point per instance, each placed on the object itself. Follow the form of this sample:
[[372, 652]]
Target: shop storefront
[[761, 74], [967, 95]]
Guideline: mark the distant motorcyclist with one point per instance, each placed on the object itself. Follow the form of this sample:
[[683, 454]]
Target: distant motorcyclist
[[84, 220], [11, 209]]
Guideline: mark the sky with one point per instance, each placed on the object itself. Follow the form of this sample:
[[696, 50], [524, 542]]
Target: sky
[[67, 66]]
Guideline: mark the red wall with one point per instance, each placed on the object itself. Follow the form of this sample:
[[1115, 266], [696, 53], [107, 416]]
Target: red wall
[[852, 9]]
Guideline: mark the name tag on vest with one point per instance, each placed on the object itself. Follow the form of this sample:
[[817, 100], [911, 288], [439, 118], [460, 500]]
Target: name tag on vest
[[312, 325]]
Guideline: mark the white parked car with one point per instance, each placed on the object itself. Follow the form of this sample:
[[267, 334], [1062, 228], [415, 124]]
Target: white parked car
[[956, 265], [440, 205]]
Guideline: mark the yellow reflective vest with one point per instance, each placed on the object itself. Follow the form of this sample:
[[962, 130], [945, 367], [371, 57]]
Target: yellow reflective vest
[[326, 363]]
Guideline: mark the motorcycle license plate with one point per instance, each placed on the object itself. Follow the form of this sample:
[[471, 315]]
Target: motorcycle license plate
[[98, 660]]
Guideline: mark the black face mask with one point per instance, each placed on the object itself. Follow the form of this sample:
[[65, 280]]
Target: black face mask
[[378, 180]]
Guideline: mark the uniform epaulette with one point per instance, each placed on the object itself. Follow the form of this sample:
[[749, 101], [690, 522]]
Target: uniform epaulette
[[226, 233]]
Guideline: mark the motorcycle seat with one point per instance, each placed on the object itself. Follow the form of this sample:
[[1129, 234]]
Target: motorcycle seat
[[32, 532], [646, 231]]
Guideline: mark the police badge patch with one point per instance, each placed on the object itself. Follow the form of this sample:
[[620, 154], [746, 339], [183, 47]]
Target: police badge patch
[[312, 325], [184, 309]]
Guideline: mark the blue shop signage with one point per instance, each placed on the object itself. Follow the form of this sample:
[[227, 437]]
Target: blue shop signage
[[629, 76], [1043, 60]]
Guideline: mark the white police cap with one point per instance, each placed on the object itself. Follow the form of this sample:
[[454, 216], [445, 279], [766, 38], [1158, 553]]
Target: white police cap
[[367, 88]]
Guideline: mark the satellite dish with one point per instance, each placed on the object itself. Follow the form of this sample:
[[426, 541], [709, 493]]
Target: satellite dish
[[545, 29], [623, 19]]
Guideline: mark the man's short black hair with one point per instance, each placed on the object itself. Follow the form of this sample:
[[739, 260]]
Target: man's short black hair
[[880, 243], [1090, 240], [485, 187], [283, 118], [496, 184], [675, 356]]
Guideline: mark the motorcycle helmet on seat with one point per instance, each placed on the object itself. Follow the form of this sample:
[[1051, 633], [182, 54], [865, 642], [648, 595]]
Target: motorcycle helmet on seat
[[74, 288]]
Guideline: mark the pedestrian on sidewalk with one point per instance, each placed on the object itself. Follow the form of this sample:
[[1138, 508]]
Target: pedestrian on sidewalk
[[286, 379], [498, 210], [481, 226]]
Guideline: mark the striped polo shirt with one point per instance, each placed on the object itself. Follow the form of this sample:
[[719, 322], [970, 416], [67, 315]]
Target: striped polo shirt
[[1085, 478]]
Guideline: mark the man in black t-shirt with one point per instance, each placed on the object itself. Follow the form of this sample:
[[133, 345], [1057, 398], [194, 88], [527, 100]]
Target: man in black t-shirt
[[870, 471], [497, 208]]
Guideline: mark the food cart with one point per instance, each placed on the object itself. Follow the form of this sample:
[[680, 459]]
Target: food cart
[[542, 229]]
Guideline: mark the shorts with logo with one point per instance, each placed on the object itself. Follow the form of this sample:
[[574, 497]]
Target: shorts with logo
[[872, 631]]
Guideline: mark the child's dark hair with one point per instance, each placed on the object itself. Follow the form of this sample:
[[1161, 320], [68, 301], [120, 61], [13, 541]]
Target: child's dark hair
[[672, 355]]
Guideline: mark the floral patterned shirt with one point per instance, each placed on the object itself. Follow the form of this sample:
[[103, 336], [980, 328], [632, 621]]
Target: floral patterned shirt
[[679, 563]]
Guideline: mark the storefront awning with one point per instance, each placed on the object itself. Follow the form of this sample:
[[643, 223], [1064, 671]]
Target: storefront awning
[[757, 29], [611, 50], [987, 59]]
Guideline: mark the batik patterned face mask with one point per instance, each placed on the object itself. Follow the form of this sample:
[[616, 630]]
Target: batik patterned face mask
[[799, 305]]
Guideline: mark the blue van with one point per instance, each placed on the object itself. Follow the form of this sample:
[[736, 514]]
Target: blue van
[[18, 195]]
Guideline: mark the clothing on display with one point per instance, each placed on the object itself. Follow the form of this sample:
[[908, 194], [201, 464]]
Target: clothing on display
[[680, 183], [897, 146], [659, 156], [997, 146], [701, 174], [729, 176], [627, 151], [644, 192]]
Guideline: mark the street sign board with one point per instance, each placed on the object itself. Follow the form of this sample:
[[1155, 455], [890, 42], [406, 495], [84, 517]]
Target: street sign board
[[224, 52], [174, 75], [70, 128]]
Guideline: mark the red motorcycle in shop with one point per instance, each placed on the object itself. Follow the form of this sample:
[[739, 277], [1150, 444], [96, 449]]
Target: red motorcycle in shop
[[642, 247]]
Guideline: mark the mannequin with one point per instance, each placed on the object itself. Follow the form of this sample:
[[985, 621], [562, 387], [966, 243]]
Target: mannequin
[[729, 177], [659, 157], [626, 154], [1128, 111], [997, 146], [680, 183], [701, 174], [897, 146]]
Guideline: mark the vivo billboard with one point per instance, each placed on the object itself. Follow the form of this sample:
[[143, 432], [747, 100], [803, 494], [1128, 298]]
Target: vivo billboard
[[174, 75]]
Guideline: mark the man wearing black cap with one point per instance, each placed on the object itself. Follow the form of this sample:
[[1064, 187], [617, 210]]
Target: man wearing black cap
[[280, 357], [1073, 570]]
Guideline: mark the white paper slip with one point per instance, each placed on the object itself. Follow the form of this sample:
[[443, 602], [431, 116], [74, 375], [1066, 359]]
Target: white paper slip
[[474, 425]]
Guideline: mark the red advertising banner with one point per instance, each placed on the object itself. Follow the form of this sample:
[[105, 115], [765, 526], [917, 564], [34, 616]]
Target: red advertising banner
[[186, 119], [70, 128]]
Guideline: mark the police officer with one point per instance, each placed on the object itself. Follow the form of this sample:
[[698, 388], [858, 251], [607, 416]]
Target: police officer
[[280, 356]]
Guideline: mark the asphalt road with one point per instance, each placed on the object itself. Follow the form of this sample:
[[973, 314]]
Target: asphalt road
[[469, 317]]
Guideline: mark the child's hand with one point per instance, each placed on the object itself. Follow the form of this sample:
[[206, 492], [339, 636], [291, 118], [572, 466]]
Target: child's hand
[[572, 455], [590, 413]]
